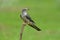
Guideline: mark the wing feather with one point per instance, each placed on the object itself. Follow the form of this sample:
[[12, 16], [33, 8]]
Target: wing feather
[[28, 17]]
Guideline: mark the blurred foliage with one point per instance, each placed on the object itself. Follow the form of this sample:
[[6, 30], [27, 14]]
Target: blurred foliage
[[46, 14]]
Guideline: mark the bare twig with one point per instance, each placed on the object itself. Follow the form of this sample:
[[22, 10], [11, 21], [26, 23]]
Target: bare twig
[[22, 29]]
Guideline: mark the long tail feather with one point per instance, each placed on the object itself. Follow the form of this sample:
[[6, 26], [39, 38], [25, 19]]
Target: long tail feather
[[35, 27]]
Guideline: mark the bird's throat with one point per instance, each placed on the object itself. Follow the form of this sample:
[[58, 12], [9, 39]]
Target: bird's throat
[[24, 13]]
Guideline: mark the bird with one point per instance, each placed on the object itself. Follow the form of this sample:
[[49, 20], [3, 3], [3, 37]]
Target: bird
[[27, 19]]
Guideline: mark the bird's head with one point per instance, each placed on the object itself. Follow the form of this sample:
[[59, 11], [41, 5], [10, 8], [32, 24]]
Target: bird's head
[[25, 9]]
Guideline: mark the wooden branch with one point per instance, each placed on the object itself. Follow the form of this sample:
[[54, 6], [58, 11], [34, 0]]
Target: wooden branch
[[22, 29]]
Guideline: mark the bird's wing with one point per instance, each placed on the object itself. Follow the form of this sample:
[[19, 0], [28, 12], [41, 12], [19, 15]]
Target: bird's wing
[[34, 26], [29, 18]]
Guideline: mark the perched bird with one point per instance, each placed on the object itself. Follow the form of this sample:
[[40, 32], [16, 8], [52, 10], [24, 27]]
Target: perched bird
[[27, 19]]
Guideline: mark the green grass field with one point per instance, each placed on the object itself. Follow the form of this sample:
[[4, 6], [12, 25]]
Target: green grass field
[[46, 14]]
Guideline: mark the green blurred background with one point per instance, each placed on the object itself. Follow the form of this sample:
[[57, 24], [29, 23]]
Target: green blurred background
[[46, 14]]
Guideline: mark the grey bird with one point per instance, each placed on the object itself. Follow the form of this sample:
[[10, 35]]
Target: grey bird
[[27, 19]]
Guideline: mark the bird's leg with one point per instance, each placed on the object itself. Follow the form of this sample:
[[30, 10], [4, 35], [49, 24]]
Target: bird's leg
[[22, 29]]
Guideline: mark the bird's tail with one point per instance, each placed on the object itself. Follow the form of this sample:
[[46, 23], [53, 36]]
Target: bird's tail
[[35, 27]]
